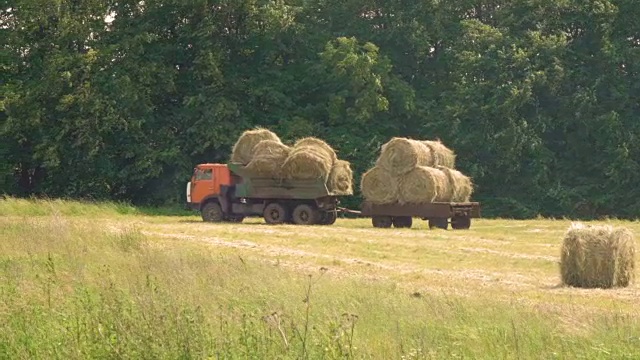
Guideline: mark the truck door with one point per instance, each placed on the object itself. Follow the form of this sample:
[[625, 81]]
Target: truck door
[[202, 184]]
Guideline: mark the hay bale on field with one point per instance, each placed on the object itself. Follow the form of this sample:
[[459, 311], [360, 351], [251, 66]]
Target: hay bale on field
[[321, 145], [306, 163], [341, 178], [243, 148], [379, 186], [423, 185], [459, 187], [597, 256], [441, 154], [268, 158], [400, 155]]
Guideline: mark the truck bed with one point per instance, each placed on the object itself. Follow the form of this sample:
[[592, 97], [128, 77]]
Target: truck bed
[[256, 187]]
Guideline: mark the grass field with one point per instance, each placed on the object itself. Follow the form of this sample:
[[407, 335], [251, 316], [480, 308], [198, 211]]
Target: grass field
[[83, 280]]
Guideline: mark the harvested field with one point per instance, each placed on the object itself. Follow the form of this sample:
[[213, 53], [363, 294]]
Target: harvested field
[[167, 275]]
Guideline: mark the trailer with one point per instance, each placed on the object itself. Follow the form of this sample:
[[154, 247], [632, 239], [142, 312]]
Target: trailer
[[438, 214]]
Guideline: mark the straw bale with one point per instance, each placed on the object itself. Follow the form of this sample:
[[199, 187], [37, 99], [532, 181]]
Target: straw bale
[[307, 162], [341, 178], [400, 155], [459, 187], [379, 186], [423, 185], [597, 256], [441, 154], [243, 148], [268, 158], [317, 143]]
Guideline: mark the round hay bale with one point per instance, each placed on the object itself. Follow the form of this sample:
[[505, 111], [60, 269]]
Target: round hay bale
[[441, 154], [401, 155], [341, 178], [306, 163], [379, 186], [423, 185], [268, 158], [597, 256], [317, 143], [459, 187], [243, 149]]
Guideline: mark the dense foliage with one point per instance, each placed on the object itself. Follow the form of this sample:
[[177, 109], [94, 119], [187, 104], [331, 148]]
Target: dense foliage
[[540, 99]]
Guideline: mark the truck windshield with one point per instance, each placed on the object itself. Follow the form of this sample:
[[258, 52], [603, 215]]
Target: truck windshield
[[203, 174]]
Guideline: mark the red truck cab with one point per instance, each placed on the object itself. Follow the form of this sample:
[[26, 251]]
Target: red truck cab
[[206, 182]]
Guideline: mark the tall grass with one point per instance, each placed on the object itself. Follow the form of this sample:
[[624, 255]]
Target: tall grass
[[74, 289], [47, 207]]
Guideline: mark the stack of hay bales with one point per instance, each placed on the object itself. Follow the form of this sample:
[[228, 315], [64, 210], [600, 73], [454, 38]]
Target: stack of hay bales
[[341, 177], [412, 171], [268, 157], [243, 150], [309, 158], [597, 256]]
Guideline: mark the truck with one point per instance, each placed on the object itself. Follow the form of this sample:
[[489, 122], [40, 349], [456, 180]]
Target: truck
[[230, 192]]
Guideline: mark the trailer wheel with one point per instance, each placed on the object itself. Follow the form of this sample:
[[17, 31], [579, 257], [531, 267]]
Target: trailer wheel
[[402, 221], [460, 222], [305, 214], [328, 217], [212, 212], [440, 223], [275, 213], [381, 221]]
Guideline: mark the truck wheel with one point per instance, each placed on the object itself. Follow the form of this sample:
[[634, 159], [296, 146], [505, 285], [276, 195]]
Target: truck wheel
[[212, 212], [402, 221], [305, 214], [275, 213], [460, 223], [328, 218], [381, 221], [440, 223]]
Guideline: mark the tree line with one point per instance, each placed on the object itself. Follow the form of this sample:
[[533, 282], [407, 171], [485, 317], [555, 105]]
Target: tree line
[[119, 99]]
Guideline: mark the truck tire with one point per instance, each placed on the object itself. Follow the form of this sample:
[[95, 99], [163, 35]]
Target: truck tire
[[212, 212], [402, 221], [328, 218], [275, 213], [305, 214], [381, 221], [460, 222], [439, 223]]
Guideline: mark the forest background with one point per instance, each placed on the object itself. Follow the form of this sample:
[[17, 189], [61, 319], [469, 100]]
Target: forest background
[[119, 100]]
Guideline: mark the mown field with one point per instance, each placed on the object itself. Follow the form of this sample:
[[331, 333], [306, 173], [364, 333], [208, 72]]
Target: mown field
[[112, 281]]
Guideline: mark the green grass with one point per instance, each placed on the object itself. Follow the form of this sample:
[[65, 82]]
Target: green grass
[[93, 281], [46, 207]]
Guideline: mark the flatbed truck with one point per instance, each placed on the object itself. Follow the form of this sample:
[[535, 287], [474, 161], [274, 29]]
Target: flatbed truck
[[230, 192]]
